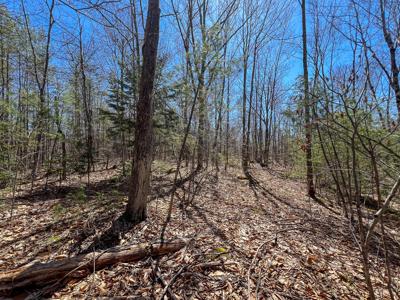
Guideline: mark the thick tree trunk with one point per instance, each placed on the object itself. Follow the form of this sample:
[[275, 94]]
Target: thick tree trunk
[[41, 274], [143, 153]]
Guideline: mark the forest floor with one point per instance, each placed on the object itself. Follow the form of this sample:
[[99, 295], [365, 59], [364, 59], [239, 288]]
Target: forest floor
[[268, 239]]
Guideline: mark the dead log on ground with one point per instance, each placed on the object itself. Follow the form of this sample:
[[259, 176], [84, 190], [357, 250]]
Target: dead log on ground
[[39, 274]]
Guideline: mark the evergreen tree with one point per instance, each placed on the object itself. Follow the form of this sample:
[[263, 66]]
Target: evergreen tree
[[118, 105]]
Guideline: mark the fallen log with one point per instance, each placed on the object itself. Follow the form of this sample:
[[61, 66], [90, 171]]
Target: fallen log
[[38, 274]]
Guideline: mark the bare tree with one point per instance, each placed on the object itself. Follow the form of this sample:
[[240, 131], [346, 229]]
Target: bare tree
[[41, 74], [307, 116], [143, 153], [392, 46]]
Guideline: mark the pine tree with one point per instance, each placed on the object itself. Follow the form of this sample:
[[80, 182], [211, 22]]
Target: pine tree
[[118, 105]]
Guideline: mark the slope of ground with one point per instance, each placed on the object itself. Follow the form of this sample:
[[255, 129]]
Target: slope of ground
[[258, 241]]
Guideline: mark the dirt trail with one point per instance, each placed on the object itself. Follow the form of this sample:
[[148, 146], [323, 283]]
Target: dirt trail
[[278, 243]]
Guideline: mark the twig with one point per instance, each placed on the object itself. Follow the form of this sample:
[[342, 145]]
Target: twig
[[167, 286], [252, 262]]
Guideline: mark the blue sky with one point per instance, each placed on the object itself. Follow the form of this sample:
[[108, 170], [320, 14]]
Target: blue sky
[[67, 28]]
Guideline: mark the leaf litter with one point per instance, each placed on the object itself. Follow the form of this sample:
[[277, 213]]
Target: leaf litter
[[266, 240]]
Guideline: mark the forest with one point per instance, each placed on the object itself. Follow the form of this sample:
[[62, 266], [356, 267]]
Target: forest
[[200, 149]]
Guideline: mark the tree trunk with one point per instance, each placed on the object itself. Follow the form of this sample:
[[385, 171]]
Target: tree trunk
[[245, 155], [143, 153], [394, 81], [201, 143], [41, 84], [227, 127], [86, 97], [309, 165], [201, 140]]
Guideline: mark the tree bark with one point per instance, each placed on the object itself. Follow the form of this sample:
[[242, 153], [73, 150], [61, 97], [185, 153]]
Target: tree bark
[[309, 164], [143, 153], [41, 274]]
